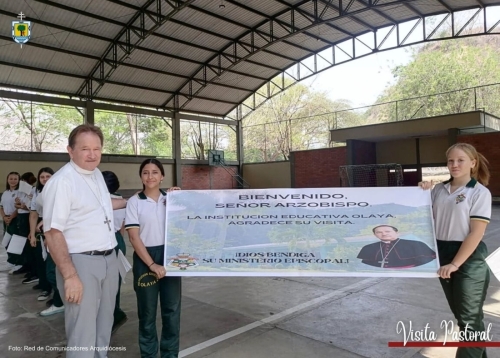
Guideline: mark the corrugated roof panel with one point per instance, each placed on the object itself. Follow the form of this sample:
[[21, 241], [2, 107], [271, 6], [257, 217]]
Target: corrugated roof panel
[[265, 7], [374, 19], [426, 7], [78, 43], [286, 50], [201, 105], [312, 44], [331, 34], [73, 64], [251, 69], [191, 35], [399, 13], [163, 63], [5, 72], [223, 93], [129, 75], [350, 26], [24, 78], [233, 12], [159, 44], [46, 59], [33, 12], [56, 83], [102, 8], [204, 21], [234, 79], [132, 95]]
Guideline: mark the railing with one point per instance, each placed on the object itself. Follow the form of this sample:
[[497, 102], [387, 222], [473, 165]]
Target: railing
[[273, 141]]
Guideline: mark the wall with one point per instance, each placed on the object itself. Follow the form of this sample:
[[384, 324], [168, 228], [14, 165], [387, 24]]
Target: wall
[[317, 168], [409, 128], [487, 144], [201, 177], [402, 151], [433, 149], [267, 175], [361, 152]]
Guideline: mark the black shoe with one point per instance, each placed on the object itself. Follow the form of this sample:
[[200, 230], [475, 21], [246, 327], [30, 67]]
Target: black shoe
[[49, 302], [117, 324], [31, 279], [36, 287]]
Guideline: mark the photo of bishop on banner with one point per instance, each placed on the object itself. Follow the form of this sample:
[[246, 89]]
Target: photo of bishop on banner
[[386, 232]]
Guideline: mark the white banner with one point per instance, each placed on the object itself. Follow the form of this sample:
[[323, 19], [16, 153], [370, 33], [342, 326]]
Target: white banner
[[301, 232]]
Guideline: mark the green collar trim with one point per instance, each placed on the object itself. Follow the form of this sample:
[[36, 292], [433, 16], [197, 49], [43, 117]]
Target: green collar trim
[[142, 196], [471, 184], [163, 192]]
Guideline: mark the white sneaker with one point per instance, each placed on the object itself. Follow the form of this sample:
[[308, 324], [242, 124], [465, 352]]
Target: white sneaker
[[15, 268], [52, 310]]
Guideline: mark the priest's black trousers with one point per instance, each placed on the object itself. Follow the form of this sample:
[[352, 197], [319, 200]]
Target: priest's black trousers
[[147, 288], [466, 292]]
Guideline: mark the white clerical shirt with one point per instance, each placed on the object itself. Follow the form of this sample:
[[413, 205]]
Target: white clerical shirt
[[77, 203]]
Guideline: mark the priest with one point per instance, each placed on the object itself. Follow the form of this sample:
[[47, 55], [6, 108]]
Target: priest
[[78, 225], [394, 252]]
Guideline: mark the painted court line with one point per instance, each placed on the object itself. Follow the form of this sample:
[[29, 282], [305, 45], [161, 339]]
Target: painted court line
[[354, 287]]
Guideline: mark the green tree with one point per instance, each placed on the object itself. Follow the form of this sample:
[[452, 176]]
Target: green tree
[[30, 126], [440, 67], [21, 29], [295, 119]]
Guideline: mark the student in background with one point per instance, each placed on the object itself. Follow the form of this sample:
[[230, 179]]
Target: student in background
[[9, 212], [36, 236], [113, 185], [145, 223], [27, 257]]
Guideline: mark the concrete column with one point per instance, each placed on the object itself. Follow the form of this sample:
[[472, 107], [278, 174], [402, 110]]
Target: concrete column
[[452, 136], [89, 112], [176, 145]]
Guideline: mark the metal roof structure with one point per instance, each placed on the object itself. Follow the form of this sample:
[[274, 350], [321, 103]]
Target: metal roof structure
[[204, 56]]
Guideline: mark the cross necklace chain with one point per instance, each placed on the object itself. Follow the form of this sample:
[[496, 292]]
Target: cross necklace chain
[[98, 197], [384, 258]]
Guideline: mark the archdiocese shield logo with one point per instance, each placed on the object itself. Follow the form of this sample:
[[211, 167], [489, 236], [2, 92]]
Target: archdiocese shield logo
[[21, 31]]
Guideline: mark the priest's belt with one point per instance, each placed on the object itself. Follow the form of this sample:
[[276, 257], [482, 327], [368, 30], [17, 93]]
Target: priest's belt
[[98, 253]]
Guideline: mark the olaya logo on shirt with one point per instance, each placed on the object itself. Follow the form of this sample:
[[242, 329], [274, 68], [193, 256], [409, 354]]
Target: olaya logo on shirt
[[459, 198]]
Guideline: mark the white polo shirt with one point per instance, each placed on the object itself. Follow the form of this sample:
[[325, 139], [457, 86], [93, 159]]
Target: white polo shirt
[[149, 217], [26, 200], [77, 202], [36, 203], [118, 214], [454, 211], [8, 201]]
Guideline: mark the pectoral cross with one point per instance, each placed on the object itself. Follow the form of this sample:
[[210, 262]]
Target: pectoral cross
[[107, 221], [383, 262]]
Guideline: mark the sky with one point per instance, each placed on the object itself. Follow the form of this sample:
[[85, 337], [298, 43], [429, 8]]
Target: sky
[[362, 80]]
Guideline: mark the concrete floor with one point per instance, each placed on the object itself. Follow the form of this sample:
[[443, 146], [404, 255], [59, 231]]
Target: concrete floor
[[265, 317]]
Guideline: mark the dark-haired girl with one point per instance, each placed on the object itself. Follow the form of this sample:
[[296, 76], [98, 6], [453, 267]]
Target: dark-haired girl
[[113, 184], [8, 209], [23, 203], [145, 222], [36, 236]]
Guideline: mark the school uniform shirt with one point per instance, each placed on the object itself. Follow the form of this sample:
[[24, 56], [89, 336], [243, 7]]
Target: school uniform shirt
[[36, 203], [26, 200], [8, 201], [77, 203], [453, 212], [149, 217], [118, 214]]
